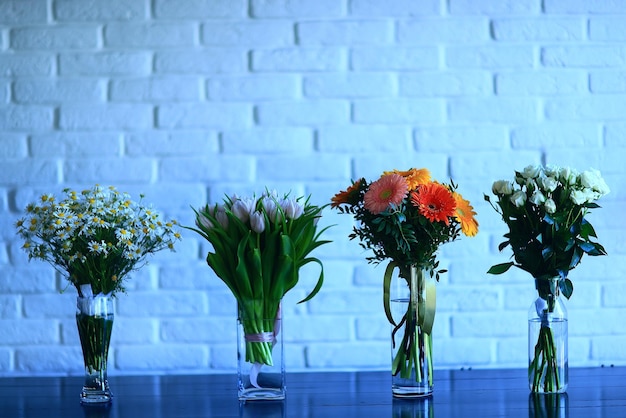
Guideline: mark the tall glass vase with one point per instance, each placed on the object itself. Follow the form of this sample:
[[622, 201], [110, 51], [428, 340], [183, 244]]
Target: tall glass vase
[[94, 318], [413, 308], [261, 366], [547, 339]]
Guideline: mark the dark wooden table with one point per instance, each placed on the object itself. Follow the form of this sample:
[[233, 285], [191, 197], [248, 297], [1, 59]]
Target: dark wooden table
[[593, 392]]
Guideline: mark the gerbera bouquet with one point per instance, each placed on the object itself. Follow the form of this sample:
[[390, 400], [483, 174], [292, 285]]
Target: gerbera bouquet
[[259, 245], [403, 217], [545, 209], [95, 237]]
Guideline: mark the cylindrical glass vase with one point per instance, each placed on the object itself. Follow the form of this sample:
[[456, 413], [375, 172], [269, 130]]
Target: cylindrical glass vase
[[411, 340], [94, 318], [547, 339], [260, 366]]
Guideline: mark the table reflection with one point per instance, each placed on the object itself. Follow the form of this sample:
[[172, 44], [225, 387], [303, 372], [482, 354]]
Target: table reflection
[[265, 409], [592, 393], [413, 408], [548, 405]]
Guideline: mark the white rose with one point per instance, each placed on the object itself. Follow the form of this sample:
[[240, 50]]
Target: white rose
[[518, 198], [549, 184], [550, 206], [591, 195], [568, 176], [603, 188], [502, 187], [589, 178], [579, 197], [531, 171], [551, 170], [537, 198], [593, 179], [531, 185]]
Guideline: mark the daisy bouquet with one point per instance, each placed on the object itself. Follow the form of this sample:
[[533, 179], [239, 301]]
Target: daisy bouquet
[[545, 209], [259, 245], [95, 237], [403, 217]]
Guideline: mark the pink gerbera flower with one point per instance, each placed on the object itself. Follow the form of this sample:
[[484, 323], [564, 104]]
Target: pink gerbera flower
[[388, 190]]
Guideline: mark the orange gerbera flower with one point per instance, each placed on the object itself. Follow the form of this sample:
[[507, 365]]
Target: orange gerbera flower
[[346, 196], [465, 214], [435, 202], [414, 177], [388, 190]]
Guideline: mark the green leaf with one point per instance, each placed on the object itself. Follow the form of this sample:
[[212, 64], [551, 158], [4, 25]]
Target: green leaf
[[570, 244], [500, 268], [585, 246], [320, 280], [567, 288], [241, 271], [503, 245], [547, 252], [586, 230], [600, 250], [589, 247], [576, 256], [287, 274], [386, 291]]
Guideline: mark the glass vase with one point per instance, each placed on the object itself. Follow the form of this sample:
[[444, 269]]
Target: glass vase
[[94, 318], [547, 339], [260, 357], [411, 339]]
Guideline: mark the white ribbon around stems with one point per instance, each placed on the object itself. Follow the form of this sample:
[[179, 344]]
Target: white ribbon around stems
[[263, 337]]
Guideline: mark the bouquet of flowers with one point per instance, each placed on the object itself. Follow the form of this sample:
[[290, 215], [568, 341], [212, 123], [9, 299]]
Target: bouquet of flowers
[[403, 217], [95, 237], [259, 245], [545, 209]]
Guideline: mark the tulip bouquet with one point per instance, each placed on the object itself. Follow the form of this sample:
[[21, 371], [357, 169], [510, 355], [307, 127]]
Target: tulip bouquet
[[403, 217], [545, 209], [259, 245]]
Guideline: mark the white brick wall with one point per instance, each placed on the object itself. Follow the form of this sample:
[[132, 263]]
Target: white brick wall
[[187, 100]]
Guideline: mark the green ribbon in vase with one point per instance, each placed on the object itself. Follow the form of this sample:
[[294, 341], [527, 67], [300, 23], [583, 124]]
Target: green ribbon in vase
[[420, 313]]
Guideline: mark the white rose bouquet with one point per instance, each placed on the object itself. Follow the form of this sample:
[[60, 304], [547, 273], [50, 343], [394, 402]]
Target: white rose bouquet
[[545, 209], [259, 245]]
